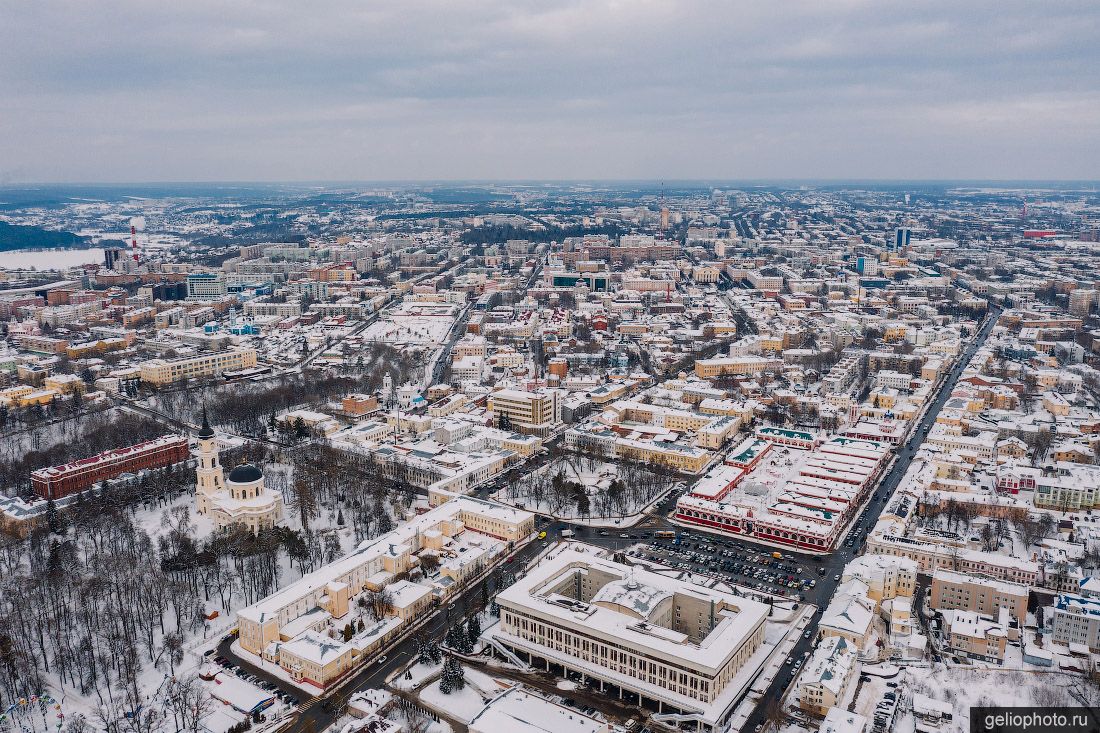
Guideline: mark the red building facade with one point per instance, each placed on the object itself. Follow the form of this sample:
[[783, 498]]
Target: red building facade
[[56, 482]]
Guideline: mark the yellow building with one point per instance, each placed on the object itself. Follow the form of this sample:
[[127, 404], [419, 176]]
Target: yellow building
[[731, 365], [36, 397], [66, 384], [162, 371], [894, 333], [332, 588], [523, 410], [12, 395], [828, 676], [317, 659]]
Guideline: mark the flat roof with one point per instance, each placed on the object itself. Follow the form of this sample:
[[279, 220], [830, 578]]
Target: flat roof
[[737, 620]]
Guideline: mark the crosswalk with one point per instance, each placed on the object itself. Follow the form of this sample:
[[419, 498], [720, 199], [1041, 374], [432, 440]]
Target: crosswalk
[[310, 703]]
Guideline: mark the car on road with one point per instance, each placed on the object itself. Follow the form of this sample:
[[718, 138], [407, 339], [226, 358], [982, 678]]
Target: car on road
[[382, 659], [836, 577]]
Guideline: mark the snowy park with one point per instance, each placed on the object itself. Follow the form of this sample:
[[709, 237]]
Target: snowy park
[[583, 488]]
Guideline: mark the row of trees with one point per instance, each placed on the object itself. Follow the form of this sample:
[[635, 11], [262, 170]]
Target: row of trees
[[81, 436]]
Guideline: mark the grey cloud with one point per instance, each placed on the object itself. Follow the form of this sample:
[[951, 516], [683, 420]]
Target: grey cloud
[[367, 89]]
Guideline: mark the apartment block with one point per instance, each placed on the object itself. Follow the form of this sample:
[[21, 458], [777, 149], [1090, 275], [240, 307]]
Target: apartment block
[[951, 590], [163, 371]]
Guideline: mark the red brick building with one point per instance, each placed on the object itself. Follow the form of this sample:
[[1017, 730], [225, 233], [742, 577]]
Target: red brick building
[[56, 482]]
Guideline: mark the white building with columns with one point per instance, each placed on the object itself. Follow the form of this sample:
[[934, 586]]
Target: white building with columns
[[685, 650]]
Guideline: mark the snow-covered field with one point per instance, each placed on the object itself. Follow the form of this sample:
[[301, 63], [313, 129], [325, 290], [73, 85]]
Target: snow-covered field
[[404, 330], [413, 323]]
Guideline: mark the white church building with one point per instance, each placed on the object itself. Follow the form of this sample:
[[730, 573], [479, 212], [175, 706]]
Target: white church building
[[240, 498]]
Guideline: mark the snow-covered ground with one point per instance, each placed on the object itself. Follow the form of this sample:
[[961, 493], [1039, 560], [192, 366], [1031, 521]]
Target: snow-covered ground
[[535, 493], [466, 703], [964, 687], [412, 324], [419, 673]]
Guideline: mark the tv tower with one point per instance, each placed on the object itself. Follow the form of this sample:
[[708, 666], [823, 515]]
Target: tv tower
[[133, 243]]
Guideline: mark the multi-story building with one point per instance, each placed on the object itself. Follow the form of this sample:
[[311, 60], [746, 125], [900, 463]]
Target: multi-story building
[[527, 412], [850, 614], [747, 365], [373, 565], [1075, 619], [608, 443], [974, 636], [1081, 301], [163, 371], [671, 642], [59, 481], [981, 447], [951, 590], [812, 507], [931, 555], [886, 577], [1068, 486], [206, 286], [828, 676], [41, 344], [343, 272]]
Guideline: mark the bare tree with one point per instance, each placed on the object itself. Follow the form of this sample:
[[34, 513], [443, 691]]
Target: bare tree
[[190, 702], [379, 603]]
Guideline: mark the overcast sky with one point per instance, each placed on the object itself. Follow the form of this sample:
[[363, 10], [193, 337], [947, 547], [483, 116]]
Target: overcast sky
[[504, 89]]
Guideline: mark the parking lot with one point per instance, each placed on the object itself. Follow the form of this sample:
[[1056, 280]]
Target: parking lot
[[250, 678], [748, 567]]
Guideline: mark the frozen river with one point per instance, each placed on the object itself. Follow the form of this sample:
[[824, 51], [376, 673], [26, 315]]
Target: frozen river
[[50, 259]]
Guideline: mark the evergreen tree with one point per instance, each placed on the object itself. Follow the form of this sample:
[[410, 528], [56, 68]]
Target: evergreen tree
[[451, 639], [56, 521], [458, 680], [473, 629], [494, 609], [385, 524], [445, 684], [435, 655], [340, 517]]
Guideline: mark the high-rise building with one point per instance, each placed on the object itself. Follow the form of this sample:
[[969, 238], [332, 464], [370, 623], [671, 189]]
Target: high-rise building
[[1081, 301], [902, 237], [205, 286], [112, 256]]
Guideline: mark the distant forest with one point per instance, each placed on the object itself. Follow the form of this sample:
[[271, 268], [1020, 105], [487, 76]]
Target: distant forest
[[498, 234], [17, 236]]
